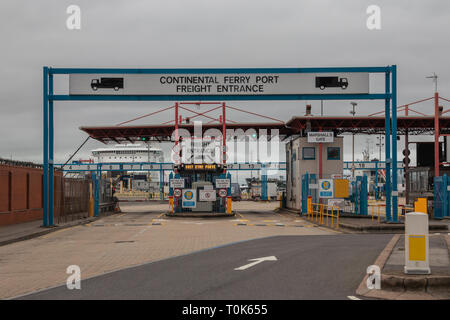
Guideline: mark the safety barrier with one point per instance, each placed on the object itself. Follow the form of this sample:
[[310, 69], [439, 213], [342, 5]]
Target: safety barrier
[[379, 210], [323, 214], [171, 208], [143, 195]]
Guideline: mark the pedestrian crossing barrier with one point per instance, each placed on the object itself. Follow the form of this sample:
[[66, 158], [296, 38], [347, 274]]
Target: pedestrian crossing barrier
[[323, 214]]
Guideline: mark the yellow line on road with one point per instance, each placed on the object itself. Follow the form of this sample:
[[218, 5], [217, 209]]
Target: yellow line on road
[[57, 231]]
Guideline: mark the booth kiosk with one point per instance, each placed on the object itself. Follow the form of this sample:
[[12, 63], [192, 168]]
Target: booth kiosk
[[201, 188]]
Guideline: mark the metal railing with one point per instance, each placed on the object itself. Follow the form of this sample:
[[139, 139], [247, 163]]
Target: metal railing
[[378, 210], [323, 214]]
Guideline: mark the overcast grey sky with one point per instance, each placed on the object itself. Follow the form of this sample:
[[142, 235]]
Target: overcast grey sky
[[211, 33]]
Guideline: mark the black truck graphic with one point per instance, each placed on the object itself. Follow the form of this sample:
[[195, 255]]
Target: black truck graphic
[[331, 82], [107, 83]]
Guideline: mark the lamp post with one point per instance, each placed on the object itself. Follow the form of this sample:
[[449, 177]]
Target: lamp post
[[353, 112], [436, 125], [380, 144]]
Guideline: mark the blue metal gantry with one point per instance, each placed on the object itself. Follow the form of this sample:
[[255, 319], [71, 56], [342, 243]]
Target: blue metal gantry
[[390, 97]]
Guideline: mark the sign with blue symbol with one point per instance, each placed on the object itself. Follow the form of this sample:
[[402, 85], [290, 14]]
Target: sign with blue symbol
[[326, 189], [189, 198]]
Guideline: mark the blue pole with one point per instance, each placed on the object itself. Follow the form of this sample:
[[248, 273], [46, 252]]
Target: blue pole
[[387, 133], [51, 179], [96, 193], [264, 183], [376, 179], [170, 189], [445, 196], [394, 145], [161, 177], [364, 194], [45, 142]]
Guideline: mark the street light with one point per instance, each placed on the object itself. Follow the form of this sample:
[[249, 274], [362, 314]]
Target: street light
[[353, 112], [434, 77], [380, 144]]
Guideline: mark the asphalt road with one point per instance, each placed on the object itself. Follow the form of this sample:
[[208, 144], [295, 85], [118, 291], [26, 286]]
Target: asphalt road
[[308, 267]]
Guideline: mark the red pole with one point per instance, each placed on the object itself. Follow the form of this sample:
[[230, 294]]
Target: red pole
[[436, 134], [176, 123], [224, 135], [320, 160], [176, 133]]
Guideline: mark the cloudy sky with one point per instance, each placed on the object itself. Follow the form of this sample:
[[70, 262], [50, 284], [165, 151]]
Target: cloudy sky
[[210, 33]]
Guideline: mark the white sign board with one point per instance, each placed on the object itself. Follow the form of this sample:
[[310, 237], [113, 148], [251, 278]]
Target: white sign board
[[177, 183], [131, 167], [167, 166], [250, 166], [151, 167], [326, 188], [80, 167], [313, 186], [320, 137], [219, 83], [207, 195], [336, 203], [222, 183], [189, 198]]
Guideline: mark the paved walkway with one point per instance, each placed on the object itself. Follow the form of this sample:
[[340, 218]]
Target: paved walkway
[[137, 236], [439, 257]]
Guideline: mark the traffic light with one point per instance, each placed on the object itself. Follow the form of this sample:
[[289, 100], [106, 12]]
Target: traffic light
[[144, 138], [406, 159]]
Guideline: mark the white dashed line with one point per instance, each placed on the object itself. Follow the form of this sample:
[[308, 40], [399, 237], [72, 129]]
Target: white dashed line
[[353, 298]]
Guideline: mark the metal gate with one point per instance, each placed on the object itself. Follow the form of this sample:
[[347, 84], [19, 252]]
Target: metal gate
[[360, 197], [441, 197], [307, 180]]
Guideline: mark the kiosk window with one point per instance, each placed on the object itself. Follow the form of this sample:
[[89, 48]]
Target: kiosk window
[[309, 153], [334, 153]]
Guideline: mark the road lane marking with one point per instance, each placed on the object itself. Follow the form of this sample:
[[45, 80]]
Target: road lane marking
[[255, 262], [353, 298], [56, 232]]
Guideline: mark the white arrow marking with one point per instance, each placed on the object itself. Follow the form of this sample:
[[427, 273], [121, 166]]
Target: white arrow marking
[[256, 261]]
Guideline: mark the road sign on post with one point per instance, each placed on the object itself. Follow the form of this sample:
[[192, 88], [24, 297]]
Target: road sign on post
[[177, 183], [222, 183]]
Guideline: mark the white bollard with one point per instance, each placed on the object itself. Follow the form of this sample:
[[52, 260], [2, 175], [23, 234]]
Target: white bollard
[[416, 243]]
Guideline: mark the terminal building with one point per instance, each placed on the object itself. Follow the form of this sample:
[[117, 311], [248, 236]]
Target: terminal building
[[305, 157]]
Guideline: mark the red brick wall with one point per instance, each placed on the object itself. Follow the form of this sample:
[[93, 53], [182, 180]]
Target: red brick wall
[[20, 194]]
